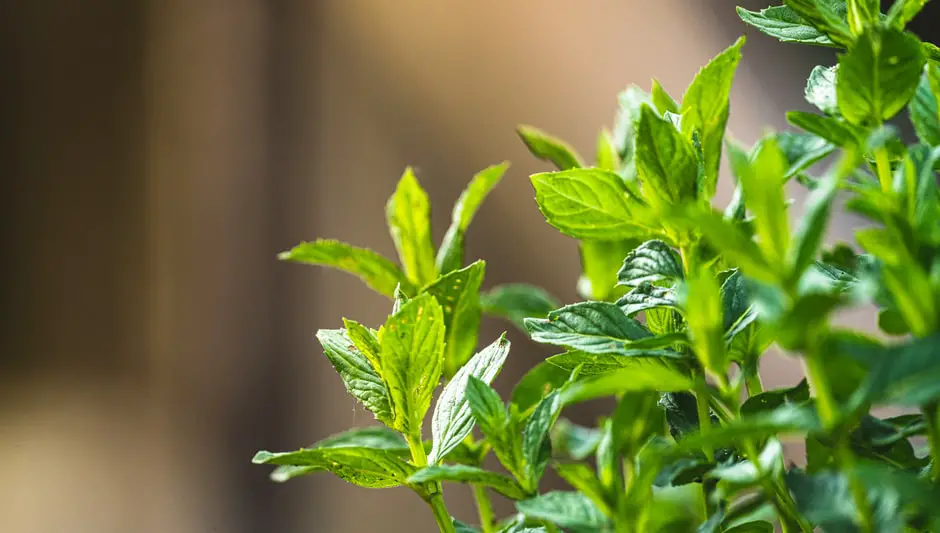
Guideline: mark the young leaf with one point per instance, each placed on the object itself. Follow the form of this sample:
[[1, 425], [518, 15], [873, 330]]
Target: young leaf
[[408, 213], [375, 270], [450, 254], [647, 297], [631, 101], [413, 359], [665, 160], [703, 313], [821, 89], [536, 446], [518, 301], [924, 109], [649, 262], [360, 378], [903, 11], [366, 342], [459, 295], [548, 148], [570, 510], [593, 327], [452, 419], [470, 474], [862, 13], [587, 204], [762, 182], [661, 99], [366, 467], [705, 110], [879, 75], [607, 156], [907, 375], [784, 24]]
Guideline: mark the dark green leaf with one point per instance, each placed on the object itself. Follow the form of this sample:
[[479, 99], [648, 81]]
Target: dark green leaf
[[587, 204], [375, 270], [366, 467], [879, 75], [593, 327], [490, 414], [681, 413], [570, 510], [821, 89], [548, 148], [450, 254], [536, 445], [772, 399], [470, 474], [737, 311], [784, 24], [518, 301], [645, 297], [649, 262], [452, 420], [459, 295], [665, 160], [906, 374], [358, 375], [412, 359], [924, 109]]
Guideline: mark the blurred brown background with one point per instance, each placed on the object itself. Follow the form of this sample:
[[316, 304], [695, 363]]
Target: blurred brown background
[[159, 153]]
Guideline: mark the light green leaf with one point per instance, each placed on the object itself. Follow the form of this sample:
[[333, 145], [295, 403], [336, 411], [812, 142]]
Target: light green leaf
[[832, 129], [472, 475], [862, 14], [762, 182], [801, 150], [570, 510], [821, 89], [375, 270], [366, 342], [924, 110], [413, 359], [665, 160], [906, 375], [375, 437], [828, 16], [459, 295], [787, 419], [452, 419], [630, 100], [600, 261], [705, 110], [366, 467], [518, 301], [587, 204], [360, 378], [702, 307], [607, 156], [536, 446], [450, 255], [548, 148], [594, 327], [812, 227], [784, 24], [583, 479], [879, 75], [651, 261], [408, 213], [661, 99], [757, 526], [903, 11]]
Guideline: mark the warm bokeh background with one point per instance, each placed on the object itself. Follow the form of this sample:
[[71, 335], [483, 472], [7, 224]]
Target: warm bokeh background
[[159, 153]]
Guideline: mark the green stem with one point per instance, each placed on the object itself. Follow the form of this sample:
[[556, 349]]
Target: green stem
[[444, 521], [484, 508], [433, 493], [753, 382], [932, 415], [883, 165]]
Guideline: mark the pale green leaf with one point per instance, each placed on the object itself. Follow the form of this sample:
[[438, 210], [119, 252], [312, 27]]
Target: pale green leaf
[[607, 156], [609, 375], [702, 307], [862, 14], [375, 270], [903, 11], [821, 89], [450, 255], [536, 445], [665, 160], [366, 342], [548, 148], [661, 99], [762, 182], [832, 129], [809, 235], [828, 16], [408, 213], [600, 261]]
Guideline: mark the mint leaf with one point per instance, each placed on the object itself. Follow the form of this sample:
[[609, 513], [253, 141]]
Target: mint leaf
[[862, 13], [788, 419], [413, 359], [360, 378], [810, 233], [702, 307], [907, 374], [582, 478], [450, 255], [600, 261], [452, 419], [518, 301], [593, 327], [832, 129], [497, 426], [459, 295], [473, 475], [651, 261], [408, 213], [772, 399], [587, 204], [609, 375], [366, 467], [570, 510], [821, 89], [705, 110], [924, 110], [903, 11], [375, 270], [879, 75], [536, 446], [745, 473], [762, 182], [548, 148], [665, 160], [365, 341], [801, 150], [827, 16], [537, 382], [608, 158], [784, 24], [375, 437], [574, 441], [647, 296], [661, 99]]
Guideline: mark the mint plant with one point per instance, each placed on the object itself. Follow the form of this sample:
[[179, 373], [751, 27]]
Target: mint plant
[[681, 302]]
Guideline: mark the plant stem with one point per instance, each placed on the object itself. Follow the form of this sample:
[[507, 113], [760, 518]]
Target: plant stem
[[753, 382], [433, 495], [484, 508], [883, 166], [932, 415]]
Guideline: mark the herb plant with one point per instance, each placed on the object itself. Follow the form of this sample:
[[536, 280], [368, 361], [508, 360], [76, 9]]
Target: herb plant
[[682, 300]]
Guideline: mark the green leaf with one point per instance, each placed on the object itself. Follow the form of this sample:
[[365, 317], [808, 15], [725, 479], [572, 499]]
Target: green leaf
[[762, 181], [661, 99], [459, 295], [452, 419], [705, 109], [360, 378], [600, 261], [703, 313], [574, 441], [570, 510], [786, 419], [862, 13], [536, 446], [636, 418], [746, 474], [607, 156], [827, 16], [801, 150], [366, 467], [408, 213], [832, 129], [413, 359], [924, 110], [821, 89], [645, 297], [587, 204], [649, 262], [903, 11], [375, 270], [681, 413], [784, 24], [548, 148], [772, 399], [907, 374], [812, 227], [758, 526], [665, 160], [470, 474], [736, 308], [365, 341], [518, 301], [879, 75], [609, 375], [490, 414], [450, 255], [538, 382], [594, 327], [583, 479]]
